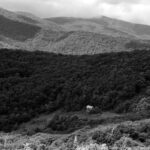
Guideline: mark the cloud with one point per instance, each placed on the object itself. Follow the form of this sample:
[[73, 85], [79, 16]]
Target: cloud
[[120, 1], [130, 10]]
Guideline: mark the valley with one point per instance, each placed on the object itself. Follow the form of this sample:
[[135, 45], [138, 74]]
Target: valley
[[51, 69]]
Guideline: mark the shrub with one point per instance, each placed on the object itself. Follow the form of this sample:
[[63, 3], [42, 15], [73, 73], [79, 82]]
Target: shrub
[[143, 106]]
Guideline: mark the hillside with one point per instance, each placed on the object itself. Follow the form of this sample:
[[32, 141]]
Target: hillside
[[28, 18], [104, 25], [22, 30], [95, 25], [32, 83], [17, 30], [78, 43]]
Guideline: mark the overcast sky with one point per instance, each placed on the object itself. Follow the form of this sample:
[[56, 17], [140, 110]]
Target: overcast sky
[[131, 10]]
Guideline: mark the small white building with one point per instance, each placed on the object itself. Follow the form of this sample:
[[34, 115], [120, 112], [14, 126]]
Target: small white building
[[89, 108]]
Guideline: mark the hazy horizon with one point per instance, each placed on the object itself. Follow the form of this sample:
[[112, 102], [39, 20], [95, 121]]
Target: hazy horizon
[[137, 11]]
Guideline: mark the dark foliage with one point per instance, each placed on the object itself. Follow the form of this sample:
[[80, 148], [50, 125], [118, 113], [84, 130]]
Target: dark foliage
[[17, 30], [66, 123], [32, 83]]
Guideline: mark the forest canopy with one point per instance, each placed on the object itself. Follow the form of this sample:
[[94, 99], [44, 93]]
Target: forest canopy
[[37, 82]]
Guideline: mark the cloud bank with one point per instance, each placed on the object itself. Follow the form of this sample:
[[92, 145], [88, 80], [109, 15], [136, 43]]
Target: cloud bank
[[137, 11]]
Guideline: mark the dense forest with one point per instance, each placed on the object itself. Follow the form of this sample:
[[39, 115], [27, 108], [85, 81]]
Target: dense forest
[[37, 82]]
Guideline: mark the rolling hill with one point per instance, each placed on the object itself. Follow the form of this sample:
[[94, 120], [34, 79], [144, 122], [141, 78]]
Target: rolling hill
[[104, 25], [17, 30], [21, 30]]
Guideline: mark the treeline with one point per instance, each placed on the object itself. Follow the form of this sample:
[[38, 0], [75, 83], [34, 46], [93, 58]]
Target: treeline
[[32, 83]]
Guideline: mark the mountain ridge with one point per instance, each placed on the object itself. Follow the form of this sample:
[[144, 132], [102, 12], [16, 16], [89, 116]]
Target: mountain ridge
[[77, 36], [137, 30]]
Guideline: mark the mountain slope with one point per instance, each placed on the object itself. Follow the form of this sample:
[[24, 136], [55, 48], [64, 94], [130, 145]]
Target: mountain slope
[[17, 30], [29, 32], [104, 25], [29, 19], [77, 43], [87, 25], [21, 30], [18, 27]]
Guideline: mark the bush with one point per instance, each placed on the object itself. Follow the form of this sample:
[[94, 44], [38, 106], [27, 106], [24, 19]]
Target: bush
[[135, 132], [143, 106], [105, 137]]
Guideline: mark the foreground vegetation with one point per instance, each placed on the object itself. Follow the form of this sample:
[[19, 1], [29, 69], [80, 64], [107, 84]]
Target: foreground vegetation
[[133, 135], [33, 83]]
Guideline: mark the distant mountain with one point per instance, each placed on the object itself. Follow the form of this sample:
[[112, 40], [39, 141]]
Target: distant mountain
[[16, 28], [28, 19], [104, 25], [22, 30]]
